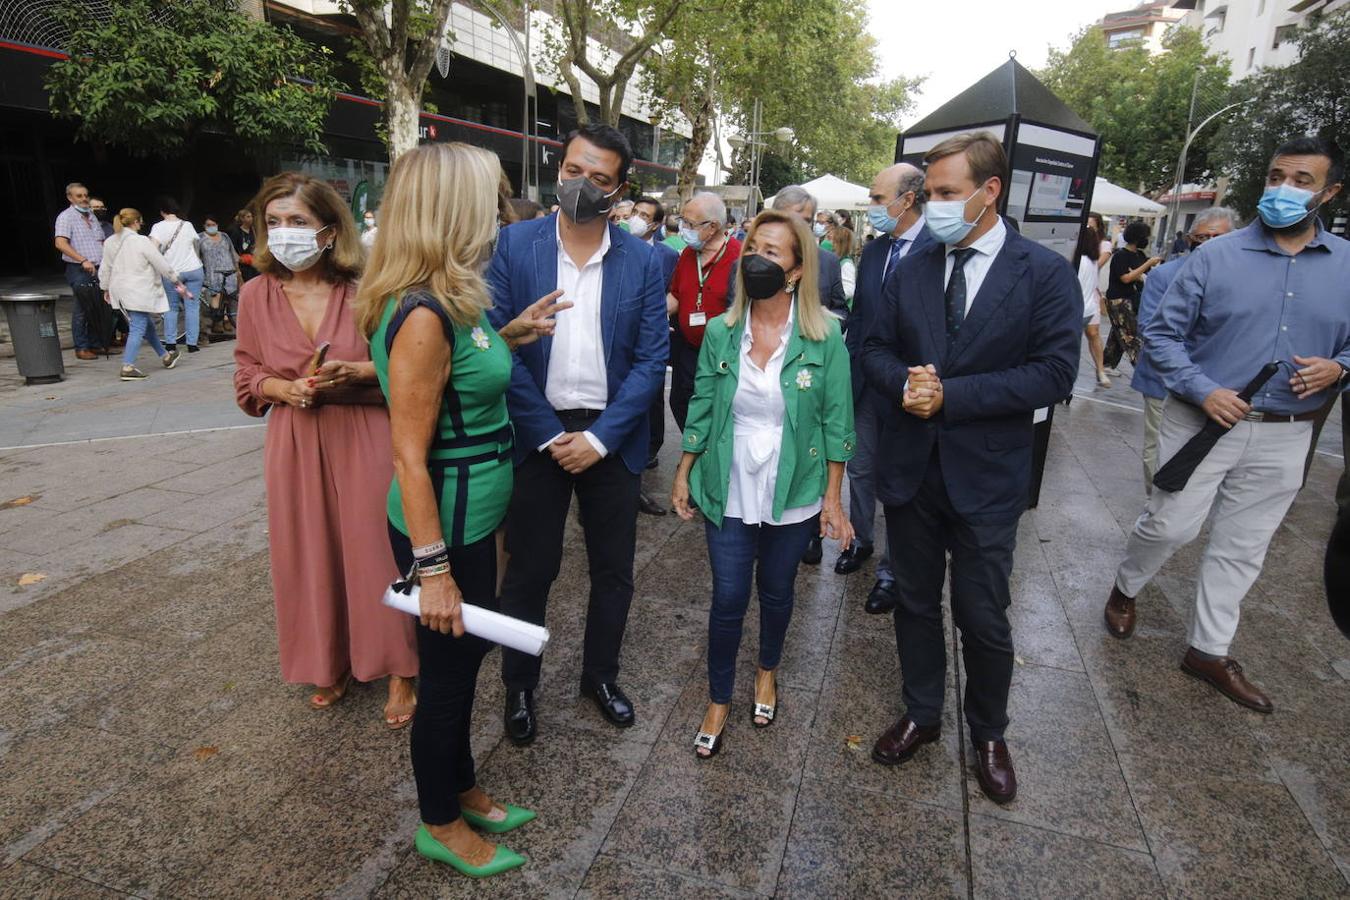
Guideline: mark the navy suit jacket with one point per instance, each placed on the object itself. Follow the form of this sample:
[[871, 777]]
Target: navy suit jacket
[[633, 329], [669, 257], [867, 299], [1017, 352]]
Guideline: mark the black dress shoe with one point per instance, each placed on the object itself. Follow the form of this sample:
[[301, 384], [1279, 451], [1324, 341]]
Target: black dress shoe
[[882, 598], [851, 560], [612, 702], [902, 740], [649, 505], [813, 552], [994, 768], [520, 723]]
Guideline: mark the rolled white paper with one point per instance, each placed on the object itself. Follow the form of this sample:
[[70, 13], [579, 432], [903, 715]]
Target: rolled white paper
[[483, 623]]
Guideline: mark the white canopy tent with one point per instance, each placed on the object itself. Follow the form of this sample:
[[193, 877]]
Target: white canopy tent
[[833, 193], [1113, 200]]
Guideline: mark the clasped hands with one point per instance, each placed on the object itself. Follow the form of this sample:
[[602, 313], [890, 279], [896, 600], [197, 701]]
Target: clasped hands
[[573, 451], [923, 393]]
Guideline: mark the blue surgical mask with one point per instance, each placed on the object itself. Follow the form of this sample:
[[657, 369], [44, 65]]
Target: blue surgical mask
[[212, 229], [690, 237], [946, 219], [881, 219], [1284, 205], [818, 229]]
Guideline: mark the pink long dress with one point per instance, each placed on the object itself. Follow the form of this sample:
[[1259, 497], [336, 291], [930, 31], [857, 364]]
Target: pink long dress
[[327, 471]]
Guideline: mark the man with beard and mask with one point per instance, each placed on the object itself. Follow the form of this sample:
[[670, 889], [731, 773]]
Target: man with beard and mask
[[897, 215], [1211, 223], [976, 332], [578, 402], [699, 290], [1274, 291]]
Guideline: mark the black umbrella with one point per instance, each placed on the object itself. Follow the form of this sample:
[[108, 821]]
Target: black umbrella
[[1337, 573], [1173, 476]]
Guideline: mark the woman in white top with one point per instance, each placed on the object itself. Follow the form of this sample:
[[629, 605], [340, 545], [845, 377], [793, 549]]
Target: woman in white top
[[177, 240], [132, 275], [1089, 248], [769, 429]]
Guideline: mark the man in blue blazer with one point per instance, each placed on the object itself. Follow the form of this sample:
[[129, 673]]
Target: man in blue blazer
[[648, 222], [578, 403], [897, 215], [975, 334]]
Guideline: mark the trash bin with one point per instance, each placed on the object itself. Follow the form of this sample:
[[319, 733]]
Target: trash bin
[[32, 331]]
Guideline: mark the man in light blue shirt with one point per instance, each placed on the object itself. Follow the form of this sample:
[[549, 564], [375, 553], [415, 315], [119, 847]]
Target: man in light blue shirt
[[1215, 221], [1277, 290]]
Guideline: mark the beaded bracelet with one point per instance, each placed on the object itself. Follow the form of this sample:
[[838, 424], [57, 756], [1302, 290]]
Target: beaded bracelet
[[438, 569], [429, 550]]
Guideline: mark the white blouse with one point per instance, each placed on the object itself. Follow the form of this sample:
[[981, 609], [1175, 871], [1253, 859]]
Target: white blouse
[[757, 415]]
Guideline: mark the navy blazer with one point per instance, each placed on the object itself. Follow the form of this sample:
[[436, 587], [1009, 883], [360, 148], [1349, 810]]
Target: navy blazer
[[867, 299], [632, 323], [669, 257], [1017, 352]]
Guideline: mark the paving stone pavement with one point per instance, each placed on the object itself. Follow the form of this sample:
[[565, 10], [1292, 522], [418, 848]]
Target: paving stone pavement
[[148, 747]]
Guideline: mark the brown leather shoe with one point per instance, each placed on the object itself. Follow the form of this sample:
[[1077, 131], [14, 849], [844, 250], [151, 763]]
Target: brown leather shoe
[[85, 354], [1225, 676], [994, 767], [1120, 614], [902, 740]]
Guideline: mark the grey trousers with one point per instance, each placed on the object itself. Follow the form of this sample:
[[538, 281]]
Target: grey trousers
[[862, 485], [1249, 480]]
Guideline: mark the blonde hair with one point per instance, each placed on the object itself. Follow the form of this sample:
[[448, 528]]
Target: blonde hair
[[437, 222], [810, 316], [125, 218], [342, 261]]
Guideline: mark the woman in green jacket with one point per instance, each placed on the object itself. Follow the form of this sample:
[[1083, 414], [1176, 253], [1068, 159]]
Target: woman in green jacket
[[770, 427]]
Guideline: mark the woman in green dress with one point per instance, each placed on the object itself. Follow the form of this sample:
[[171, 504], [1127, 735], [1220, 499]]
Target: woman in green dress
[[445, 372]]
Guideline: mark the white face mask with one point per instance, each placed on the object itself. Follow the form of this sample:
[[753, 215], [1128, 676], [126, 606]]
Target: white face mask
[[370, 223], [638, 226], [295, 248]]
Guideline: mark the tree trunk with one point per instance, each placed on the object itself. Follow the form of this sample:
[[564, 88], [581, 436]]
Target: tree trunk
[[699, 112], [401, 114]]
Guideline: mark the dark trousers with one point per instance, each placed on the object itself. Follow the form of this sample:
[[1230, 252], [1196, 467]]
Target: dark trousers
[[608, 495], [447, 676], [1343, 488], [982, 558], [79, 280], [683, 364], [656, 422]]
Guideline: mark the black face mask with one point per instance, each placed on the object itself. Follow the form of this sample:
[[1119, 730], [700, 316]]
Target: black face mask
[[101, 215], [581, 201], [763, 277]]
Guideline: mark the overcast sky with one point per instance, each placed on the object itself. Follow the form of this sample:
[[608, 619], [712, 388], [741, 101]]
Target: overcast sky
[[957, 42]]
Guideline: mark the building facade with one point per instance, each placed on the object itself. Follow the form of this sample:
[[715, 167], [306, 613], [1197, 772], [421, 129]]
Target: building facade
[[1253, 34], [1145, 24]]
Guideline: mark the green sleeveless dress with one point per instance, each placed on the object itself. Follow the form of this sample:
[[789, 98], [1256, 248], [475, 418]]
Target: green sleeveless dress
[[470, 455]]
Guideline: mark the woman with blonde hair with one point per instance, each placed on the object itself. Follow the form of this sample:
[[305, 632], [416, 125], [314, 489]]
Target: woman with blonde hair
[[444, 369], [130, 276], [300, 361], [770, 427]]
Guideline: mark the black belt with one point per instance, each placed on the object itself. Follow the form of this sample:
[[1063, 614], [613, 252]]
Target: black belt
[[579, 413], [1279, 418]]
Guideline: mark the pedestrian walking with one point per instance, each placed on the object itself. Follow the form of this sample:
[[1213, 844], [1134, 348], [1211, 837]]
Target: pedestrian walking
[[220, 276], [1273, 291], [79, 239], [131, 277], [1129, 265], [1086, 260], [770, 429], [326, 459], [177, 240]]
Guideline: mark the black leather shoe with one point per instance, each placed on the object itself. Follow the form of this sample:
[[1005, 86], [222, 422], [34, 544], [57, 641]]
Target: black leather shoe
[[994, 768], [520, 723], [612, 702], [648, 504], [882, 598], [851, 560], [813, 552], [902, 740]]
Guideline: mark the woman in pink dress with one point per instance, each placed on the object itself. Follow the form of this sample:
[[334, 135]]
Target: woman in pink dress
[[326, 459]]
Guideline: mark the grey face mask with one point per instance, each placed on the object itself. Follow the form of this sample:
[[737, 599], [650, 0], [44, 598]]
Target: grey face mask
[[581, 201]]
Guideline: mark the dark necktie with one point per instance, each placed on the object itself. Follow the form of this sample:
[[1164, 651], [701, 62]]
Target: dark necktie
[[956, 294], [897, 245]]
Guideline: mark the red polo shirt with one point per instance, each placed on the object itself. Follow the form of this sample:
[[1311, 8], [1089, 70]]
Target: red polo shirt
[[684, 284]]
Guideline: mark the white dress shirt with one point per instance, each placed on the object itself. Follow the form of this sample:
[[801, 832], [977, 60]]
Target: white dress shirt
[[757, 415], [577, 376], [978, 263]]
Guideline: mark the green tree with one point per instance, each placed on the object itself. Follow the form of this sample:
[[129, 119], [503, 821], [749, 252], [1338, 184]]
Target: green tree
[[1139, 103], [155, 74], [399, 40], [1309, 96]]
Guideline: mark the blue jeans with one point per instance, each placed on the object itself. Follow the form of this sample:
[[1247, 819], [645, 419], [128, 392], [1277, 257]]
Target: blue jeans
[[79, 325], [142, 328], [192, 308], [732, 550]]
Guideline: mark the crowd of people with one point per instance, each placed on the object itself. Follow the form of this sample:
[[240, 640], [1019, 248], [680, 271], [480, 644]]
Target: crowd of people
[[439, 386]]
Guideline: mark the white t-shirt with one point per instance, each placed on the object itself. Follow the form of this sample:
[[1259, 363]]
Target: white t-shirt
[[1087, 282], [182, 255]]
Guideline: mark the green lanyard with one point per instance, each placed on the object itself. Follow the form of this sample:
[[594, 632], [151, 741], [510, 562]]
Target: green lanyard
[[703, 277]]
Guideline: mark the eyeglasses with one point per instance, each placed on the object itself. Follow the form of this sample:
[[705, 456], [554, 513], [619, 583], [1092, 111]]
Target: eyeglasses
[[683, 222], [1201, 238]]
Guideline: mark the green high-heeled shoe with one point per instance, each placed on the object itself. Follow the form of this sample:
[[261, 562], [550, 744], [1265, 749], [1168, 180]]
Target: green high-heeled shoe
[[503, 861], [516, 816]]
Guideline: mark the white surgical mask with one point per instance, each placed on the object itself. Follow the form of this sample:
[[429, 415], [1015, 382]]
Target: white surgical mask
[[638, 226], [818, 229], [370, 222], [946, 219], [295, 248], [690, 236]]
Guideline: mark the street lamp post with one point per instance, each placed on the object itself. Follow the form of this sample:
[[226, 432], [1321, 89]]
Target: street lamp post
[[782, 135], [1175, 211]]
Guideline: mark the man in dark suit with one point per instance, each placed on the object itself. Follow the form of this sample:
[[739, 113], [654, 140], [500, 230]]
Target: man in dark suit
[[976, 333], [897, 215], [647, 222], [579, 402]]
